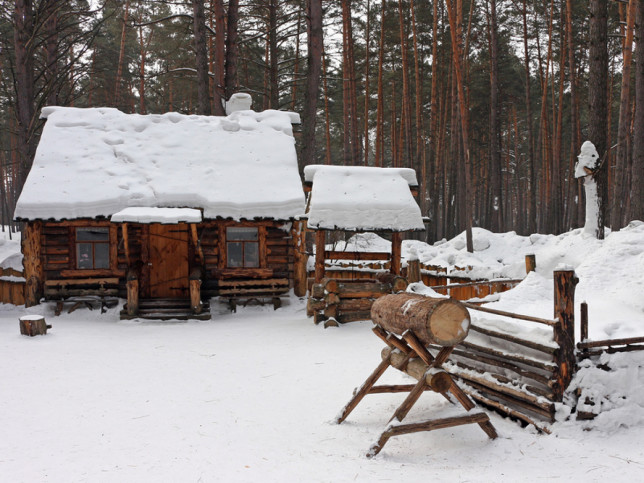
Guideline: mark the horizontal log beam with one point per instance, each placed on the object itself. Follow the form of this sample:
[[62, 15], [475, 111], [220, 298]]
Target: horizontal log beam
[[476, 284], [546, 366], [503, 313], [509, 399], [516, 340], [82, 281], [484, 359], [335, 255], [610, 342]]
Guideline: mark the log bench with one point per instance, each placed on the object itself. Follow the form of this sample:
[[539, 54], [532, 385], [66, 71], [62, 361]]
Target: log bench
[[86, 292], [245, 291]]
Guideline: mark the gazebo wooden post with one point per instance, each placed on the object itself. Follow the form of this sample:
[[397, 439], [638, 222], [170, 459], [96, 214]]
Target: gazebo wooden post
[[396, 245], [320, 245], [300, 258]]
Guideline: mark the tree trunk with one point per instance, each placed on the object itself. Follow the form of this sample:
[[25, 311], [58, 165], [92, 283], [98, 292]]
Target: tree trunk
[[366, 86], [119, 71], [219, 63], [201, 54], [232, 49], [352, 144], [314, 61], [574, 109], [496, 208], [532, 179], [420, 135], [380, 109], [597, 101], [621, 188], [637, 182], [25, 88], [464, 121], [272, 51], [51, 69], [405, 115]]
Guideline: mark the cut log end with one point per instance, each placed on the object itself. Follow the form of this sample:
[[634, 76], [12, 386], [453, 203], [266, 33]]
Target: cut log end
[[450, 322], [445, 322]]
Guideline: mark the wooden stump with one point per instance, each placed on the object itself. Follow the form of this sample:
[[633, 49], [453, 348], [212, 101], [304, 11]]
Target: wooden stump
[[32, 325], [445, 322]]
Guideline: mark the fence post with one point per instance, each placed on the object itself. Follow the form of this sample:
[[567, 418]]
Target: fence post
[[413, 270], [530, 263], [584, 322], [564, 332]]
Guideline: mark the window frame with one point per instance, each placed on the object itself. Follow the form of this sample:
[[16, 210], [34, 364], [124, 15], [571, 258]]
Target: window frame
[[92, 243], [223, 245], [244, 243]]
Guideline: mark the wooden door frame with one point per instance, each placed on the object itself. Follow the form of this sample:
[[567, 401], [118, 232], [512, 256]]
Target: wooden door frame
[[148, 267]]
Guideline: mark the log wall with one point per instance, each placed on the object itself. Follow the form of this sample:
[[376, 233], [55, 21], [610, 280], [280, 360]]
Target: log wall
[[58, 251]]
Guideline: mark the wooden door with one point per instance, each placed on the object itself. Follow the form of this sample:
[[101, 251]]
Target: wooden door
[[168, 260]]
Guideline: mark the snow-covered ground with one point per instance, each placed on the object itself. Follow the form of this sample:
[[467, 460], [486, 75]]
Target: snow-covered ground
[[251, 396]]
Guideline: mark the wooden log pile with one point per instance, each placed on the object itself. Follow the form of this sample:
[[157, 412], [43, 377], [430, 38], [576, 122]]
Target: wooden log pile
[[340, 301], [407, 323]]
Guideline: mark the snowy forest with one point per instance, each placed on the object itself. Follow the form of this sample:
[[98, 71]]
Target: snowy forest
[[489, 100]]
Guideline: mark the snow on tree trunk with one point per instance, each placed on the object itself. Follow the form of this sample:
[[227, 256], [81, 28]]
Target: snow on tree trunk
[[587, 162]]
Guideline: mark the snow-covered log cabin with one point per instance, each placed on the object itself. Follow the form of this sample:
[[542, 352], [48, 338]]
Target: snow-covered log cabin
[[160, 207]]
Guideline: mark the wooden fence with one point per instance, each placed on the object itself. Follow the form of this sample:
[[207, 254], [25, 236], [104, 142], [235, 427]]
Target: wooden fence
[[12, 287], [518, 375], [452, 284]]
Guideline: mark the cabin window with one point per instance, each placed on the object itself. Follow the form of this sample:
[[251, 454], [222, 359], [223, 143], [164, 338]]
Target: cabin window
[[92, 248], [242, 247]]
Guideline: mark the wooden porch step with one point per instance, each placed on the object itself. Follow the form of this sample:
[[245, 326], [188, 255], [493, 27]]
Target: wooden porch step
[[167, 309], [165, 316]]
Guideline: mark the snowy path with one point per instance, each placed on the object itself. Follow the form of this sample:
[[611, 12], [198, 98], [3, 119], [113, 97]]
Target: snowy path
[[246, 397]]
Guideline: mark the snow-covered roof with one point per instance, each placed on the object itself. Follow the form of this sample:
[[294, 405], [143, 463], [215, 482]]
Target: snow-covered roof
[[362, 198], [97, 162]]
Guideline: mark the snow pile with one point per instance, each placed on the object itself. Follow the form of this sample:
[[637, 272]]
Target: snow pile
[[612, 388], [362, 198], [610, 271], [10, 256], [96, 162]]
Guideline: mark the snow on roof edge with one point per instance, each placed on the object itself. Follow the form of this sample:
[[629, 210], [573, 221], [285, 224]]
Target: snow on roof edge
[[408, 174]]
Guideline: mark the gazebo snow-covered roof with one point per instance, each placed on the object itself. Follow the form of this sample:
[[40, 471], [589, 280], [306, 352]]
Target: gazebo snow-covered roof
[[360, 198], [98, 162]]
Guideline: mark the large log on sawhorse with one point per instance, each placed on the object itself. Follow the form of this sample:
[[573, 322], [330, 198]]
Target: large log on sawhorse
[[410, 355]]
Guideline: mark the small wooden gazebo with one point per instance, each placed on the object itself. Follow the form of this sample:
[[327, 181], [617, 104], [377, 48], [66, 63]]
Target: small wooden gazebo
[[357, 199]]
